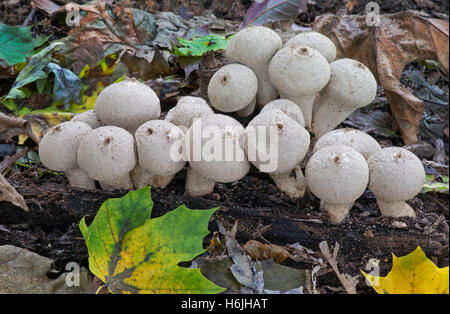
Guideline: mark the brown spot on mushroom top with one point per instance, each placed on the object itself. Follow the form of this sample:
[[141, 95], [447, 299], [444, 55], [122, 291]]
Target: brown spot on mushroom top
[[149, 131], [225, 79], [56, 129], [337, 160], [279, 125], [107, 141]]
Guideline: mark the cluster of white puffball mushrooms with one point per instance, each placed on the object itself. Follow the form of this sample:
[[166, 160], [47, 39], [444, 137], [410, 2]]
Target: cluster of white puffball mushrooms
[[123, 143]]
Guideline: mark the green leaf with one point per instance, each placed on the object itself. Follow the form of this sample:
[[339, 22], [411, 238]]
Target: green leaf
[[16, 44], [67, 85], [33, 71], [432, 184], [201, 45], [132, 253]]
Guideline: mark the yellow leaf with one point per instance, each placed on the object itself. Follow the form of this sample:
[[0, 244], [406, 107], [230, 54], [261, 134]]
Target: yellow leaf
[[412, 274]]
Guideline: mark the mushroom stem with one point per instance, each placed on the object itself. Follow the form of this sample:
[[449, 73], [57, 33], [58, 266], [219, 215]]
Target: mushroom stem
[[120, 183], [293, 186], [305, 103], [266, 91], [140, 177], [336, 212], [197, 185], [328, 115], [161, 181], [395, 209], [79, 179], [247, 110]]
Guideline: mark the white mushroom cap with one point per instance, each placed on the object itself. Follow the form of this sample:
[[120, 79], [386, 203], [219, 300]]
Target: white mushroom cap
[[287, 106], [232, 88], [337, 175], [155, 139], [292, 141], [58, 151], [396, 175], [227, 162], [186, 110], [358, 140], [58, 147], [253, 47], [351, 86], [127, 104], [107, 153], [299, 72], [89, 117], [317, 41]]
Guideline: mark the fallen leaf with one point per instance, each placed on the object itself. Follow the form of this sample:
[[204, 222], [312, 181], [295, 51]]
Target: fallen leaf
[[32, 72], [433, 184], [46, 5], [412, 274], [9, 194], [386, 48], [347, 281], [261, 12], [25, 272], [17, 44], [259, 251], [10, 127], [132, 253], [197, 47]]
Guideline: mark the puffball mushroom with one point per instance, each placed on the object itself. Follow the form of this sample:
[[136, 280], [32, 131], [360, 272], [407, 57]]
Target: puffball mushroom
[[396, 175], [337, 175], [89, 117], [254, 47], [351, 86], [356, 139], [233, 88], [156, 144], [127, 104], [107, 154], [58, 151], [299, 72], [187, 109], [288, 107], [276, 144], [317, 41], [213, 146]]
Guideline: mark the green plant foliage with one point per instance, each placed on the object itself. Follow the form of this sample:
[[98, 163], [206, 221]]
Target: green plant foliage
[[201, 45], [132, 253], [433, 184], [16, 44]]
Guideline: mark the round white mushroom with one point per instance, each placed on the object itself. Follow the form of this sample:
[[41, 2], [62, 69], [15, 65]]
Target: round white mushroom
[[299, 72], [89, 117], [127, 104], [107, 154], [351, 86], [288, 107], [158, 152], [356, 139], [187, 109], [58, 151], [253, 47], [337, 175], [276, 144], [213, 146], [396, 175], [317, 41], [233, 88]]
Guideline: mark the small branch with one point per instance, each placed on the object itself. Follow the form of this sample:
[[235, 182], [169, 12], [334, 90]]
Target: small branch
[[29, 17], [9, 160]]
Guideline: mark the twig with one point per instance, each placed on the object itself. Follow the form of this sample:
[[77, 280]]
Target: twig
[[29, 17], [9, 160]]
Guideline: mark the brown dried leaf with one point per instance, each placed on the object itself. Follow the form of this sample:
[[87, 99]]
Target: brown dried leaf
[[10, 127], [386, 48], [9, 194], [45, 5], [259, 251]]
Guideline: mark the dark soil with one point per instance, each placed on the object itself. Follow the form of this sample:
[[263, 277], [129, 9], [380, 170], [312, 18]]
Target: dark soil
[[51, 228]]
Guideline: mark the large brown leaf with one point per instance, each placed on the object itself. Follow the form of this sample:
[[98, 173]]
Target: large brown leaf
[[386, 48]]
